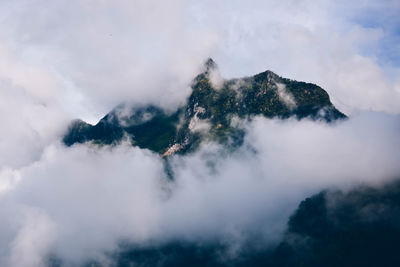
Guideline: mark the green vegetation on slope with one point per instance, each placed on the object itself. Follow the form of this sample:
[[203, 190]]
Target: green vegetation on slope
[[211, 107]]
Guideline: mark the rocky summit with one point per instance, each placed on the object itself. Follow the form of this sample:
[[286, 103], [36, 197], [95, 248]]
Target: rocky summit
[[212, 112]]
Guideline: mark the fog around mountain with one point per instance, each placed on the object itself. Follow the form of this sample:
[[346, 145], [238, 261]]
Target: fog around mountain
[[116, 204], [81, 201]]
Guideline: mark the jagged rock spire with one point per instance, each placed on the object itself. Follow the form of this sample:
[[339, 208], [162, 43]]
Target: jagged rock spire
[[210, 64]]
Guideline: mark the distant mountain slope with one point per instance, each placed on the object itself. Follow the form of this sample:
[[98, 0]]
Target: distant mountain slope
[[359, 227], [334, 228], [210, 113]]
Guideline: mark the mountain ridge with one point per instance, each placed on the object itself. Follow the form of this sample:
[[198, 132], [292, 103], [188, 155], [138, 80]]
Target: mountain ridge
[[210, 113]]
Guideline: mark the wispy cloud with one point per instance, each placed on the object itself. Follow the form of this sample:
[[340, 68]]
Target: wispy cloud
[[67, 59]]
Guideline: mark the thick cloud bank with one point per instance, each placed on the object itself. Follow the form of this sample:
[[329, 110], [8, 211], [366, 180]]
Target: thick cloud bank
[[66, 59], [79, 203]]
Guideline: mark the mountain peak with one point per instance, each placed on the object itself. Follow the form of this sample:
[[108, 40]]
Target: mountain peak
[[210, 64], [208, 113]]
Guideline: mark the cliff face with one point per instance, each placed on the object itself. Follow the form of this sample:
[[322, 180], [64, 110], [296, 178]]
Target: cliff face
[[211, 112]]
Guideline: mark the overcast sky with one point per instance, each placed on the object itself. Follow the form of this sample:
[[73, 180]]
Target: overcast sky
[[66, 59]]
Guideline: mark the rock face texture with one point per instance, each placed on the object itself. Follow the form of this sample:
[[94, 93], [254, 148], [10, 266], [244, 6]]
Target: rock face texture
[[210, 113]]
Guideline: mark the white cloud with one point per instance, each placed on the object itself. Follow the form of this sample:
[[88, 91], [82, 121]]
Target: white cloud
[[68, 59], [87, 199], [92, 55], [33, 240], [322, 42], [105, 52]]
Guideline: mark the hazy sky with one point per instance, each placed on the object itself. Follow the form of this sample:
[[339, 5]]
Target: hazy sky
[[66, 59], [89, 55]]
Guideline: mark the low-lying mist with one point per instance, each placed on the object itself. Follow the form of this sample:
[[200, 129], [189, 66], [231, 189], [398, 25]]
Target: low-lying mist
[[79, 203]]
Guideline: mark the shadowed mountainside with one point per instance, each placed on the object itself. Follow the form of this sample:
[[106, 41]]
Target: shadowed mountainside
[[332, 228]]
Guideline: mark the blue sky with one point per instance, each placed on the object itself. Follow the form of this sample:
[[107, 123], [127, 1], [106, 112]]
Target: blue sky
[[384, 15]]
